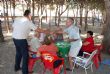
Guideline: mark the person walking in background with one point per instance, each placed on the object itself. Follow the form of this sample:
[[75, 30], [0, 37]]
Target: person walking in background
[[21, 29]]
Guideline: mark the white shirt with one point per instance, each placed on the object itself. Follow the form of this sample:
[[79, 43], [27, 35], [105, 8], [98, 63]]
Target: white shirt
[[73, 33], [42, 36], [22, 27], [35, 44]]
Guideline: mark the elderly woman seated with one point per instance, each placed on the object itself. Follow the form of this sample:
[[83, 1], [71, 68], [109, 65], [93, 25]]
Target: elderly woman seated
[[88, 44], [48, 45]]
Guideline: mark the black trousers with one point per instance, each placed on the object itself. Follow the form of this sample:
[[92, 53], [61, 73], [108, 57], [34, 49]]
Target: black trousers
[[21, 54]]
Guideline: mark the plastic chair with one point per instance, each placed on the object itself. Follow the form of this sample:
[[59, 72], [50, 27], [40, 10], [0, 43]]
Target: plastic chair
[[99, 47], [52, 62], [32, 60], [85, 63], [31, 63]]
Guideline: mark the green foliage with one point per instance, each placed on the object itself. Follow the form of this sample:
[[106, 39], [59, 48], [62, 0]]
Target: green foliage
[[92, 4]]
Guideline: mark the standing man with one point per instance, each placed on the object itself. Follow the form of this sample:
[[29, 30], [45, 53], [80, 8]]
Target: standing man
[[21, 29], [74, 39]]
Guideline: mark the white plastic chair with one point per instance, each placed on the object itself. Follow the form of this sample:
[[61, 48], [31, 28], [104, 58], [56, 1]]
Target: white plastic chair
[[85, 63]]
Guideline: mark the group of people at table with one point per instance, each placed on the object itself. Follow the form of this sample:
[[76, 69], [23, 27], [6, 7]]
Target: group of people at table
[[44, 40]]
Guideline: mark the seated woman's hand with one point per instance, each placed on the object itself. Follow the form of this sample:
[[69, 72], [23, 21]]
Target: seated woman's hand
[[67, 40], [30, 54]]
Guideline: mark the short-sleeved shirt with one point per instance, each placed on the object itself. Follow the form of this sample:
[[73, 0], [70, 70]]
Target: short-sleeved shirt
[[50, 48], [22, 27], [35, 44], [89, 47], [73, 33]]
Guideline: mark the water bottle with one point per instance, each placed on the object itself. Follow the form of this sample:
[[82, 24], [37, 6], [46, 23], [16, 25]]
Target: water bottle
[[33, 55]]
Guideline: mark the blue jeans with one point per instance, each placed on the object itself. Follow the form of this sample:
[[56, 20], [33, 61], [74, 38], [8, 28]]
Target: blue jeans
[[21, 54]]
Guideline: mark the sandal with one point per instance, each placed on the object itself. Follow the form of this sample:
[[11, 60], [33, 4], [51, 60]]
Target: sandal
[[30, 72], [68, 69]]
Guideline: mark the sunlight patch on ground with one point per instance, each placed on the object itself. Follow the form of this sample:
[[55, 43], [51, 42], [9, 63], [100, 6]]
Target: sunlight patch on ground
[[1, 66], [8, 34]]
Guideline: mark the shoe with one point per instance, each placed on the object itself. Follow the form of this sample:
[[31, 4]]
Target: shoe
[[76, 66], [30, 72], [17, 69], [68, 69]]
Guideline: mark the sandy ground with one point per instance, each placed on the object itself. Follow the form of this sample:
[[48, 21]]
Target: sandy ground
[[7, 57]]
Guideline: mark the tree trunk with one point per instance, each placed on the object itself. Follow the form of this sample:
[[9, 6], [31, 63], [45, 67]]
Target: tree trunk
[[60, 12], [103, 21], [93, 17], [7, 17], [38, 13], [59, 19], [56, 15], [86, 16], [50, 19], [1, 33], [41, 15], [46, 13], [33, 8], [23, 5], [106, 40], [13, 10], [99, 18], [68, 12], [28, 4], [76, 16], [81, 12], [77, 12]]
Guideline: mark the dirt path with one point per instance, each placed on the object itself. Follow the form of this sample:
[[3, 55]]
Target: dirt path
[[7, 57]]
